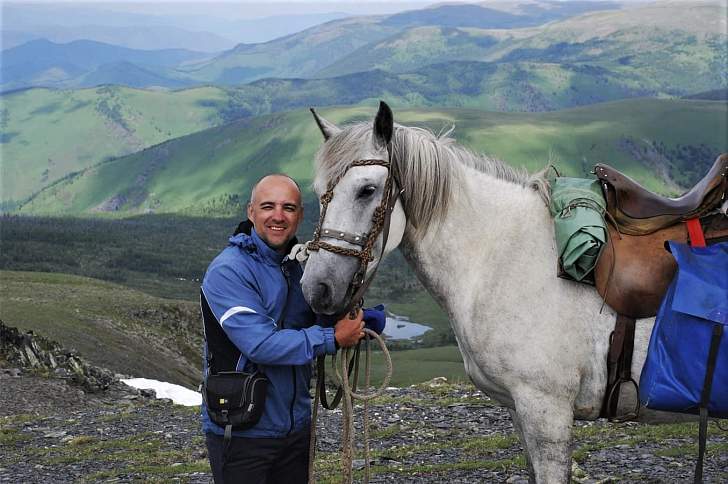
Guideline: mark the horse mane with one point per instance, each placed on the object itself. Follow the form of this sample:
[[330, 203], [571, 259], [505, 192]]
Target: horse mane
[[429, 166]]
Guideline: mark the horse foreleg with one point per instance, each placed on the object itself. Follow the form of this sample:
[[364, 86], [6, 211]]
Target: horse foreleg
[[519, 432], [545, 422]]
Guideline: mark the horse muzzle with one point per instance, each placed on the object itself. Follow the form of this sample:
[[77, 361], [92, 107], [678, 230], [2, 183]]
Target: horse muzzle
[[326, 282]]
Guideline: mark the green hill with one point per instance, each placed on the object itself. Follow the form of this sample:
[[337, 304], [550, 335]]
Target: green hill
[[130, 332], [47, 134], [81, 128], [665, 144]]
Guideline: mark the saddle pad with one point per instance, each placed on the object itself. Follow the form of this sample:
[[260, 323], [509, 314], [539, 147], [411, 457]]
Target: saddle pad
[[696, 300]]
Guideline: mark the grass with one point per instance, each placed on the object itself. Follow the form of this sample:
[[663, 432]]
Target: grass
[[413, 366], [105, 322]]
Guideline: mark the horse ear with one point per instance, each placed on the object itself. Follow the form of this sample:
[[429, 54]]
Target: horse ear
[[327, 129], [383, 125]]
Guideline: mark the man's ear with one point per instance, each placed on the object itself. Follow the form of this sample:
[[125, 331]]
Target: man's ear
[[250, 211]]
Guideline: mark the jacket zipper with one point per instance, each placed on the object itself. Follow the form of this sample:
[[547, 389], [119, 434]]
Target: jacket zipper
[[293, 368]]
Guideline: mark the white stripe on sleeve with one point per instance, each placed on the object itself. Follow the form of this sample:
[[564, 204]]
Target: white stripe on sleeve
[[234, 311]]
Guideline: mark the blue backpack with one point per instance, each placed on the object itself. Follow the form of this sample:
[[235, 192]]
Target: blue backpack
[[686, 369], [695, 307]]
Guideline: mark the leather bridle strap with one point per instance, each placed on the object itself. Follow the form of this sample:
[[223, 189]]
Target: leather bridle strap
[[381, 220]]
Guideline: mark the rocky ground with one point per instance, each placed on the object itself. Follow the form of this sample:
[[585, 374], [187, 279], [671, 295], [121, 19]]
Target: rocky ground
[[55, 429]]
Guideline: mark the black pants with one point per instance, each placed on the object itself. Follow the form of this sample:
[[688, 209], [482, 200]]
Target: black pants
[[264, 461]]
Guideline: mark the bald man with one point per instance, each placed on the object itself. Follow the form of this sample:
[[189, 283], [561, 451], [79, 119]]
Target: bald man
[[256, 319]]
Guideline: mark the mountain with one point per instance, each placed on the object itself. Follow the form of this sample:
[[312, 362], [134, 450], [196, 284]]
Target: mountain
[[658, 46], [127, 74], [657, 49], [495, 16], [195, 25], [665, 144], [145, 37], [354, 41], [41, 62], [297, 55]]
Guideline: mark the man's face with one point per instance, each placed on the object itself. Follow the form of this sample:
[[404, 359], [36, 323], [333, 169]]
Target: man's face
[[275, 210]]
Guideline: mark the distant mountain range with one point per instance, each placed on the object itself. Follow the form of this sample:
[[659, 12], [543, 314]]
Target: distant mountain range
[[198, 26], [655, 49], [82, 62], [665, 144], [304, 54]]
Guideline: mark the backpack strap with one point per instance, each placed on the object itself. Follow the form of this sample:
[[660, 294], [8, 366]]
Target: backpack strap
[[222, 354]]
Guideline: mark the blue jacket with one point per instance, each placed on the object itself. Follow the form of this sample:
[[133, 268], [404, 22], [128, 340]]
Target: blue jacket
[[245, 288]]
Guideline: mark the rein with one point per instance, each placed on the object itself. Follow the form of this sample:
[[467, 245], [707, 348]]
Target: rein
[[381, 220]]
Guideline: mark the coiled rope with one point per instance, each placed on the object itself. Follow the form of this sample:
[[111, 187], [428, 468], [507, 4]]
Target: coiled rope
[[350, 394]]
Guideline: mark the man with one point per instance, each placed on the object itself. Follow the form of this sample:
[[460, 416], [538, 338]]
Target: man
[[252, 291]]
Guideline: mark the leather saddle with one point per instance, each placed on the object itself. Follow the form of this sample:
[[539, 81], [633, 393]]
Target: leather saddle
[[634, 269]]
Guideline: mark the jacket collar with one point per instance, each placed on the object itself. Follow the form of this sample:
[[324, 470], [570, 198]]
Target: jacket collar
[[268, 254], [249, 240]]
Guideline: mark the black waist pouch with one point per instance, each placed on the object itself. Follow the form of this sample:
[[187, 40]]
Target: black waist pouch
[[234, 399]]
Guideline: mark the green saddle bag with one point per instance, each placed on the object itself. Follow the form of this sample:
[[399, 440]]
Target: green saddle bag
[[577, 206]]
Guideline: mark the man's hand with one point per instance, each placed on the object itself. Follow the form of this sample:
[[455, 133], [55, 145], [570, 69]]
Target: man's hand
[[349, 331]]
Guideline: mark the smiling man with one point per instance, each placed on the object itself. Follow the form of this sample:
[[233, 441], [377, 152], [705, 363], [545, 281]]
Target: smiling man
[[256, 319]]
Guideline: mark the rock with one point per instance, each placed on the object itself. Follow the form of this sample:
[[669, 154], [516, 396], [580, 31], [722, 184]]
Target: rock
[[438, 381]]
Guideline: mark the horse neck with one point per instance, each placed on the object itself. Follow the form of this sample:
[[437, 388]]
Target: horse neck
[[487, 219]]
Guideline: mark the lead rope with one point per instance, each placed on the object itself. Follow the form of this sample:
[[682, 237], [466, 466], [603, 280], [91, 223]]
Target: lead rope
[[350, 394]]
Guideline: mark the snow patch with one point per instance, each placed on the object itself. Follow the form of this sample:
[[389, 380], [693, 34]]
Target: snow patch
[[177, 393]]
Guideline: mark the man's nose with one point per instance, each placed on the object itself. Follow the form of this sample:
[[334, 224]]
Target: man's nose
[[279, 214]]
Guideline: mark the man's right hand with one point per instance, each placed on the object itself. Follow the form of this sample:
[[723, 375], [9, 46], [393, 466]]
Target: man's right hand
[[349, 331]]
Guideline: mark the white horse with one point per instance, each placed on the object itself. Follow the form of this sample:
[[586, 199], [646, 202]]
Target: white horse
[[479, 236]]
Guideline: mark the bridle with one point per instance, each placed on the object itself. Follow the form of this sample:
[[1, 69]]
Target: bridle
[[381, 220]]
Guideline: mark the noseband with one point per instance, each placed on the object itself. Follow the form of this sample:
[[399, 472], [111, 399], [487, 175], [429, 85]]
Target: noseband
[[381, 220]]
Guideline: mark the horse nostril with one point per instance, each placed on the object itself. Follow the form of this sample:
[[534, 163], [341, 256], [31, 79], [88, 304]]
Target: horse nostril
[[324, 293]]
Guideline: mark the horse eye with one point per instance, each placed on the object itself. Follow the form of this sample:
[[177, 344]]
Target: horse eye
[[367, 191]]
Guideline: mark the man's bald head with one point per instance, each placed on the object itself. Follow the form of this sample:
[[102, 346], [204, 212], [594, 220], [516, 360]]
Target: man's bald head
[[275, 209], [267, 178]]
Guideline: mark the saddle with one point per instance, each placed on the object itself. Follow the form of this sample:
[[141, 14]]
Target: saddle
[[634, 269]]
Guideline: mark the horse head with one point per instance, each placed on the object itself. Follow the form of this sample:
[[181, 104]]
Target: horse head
[[355, 181]]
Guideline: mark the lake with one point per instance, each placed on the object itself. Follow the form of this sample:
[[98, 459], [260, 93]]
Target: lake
[[400, 327]]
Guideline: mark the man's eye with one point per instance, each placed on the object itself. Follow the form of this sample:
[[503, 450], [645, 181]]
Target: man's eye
[[367, 191]]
